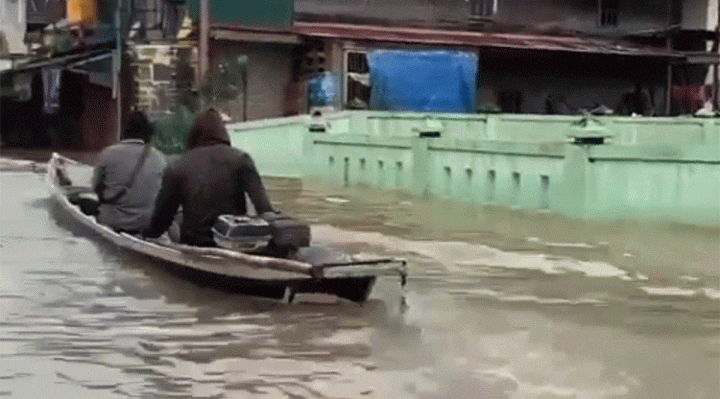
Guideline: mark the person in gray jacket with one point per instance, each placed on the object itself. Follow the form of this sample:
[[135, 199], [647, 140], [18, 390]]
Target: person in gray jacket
[[127, 178]]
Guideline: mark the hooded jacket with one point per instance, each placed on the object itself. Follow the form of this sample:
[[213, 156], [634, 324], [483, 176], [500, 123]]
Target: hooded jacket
[[209, 180]]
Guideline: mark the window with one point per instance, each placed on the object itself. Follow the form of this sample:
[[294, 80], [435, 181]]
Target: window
[[510, 101], [675, 12], [357, 80], [609, 12], [483, 8]]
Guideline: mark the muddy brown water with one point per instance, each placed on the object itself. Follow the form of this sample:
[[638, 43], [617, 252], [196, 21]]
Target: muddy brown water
[[499, 304]]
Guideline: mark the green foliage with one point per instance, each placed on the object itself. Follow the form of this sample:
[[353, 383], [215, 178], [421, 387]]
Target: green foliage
[[170, 133]]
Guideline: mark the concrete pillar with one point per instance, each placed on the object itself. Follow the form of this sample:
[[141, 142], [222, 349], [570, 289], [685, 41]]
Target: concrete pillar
[[491, 126], [711, 134], [572, 195], [421, 166]]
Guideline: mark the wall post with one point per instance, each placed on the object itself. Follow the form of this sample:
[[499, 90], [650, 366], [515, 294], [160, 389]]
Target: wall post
[[572, 195], [420, 166]]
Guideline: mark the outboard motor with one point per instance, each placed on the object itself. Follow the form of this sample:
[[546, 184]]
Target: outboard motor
[[242, 233], [271, 233]]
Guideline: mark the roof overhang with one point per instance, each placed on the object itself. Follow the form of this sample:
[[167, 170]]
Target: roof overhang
[[701, 57], [375, 34], [98, 69], [254, 35], [60, 61], [520, 41]]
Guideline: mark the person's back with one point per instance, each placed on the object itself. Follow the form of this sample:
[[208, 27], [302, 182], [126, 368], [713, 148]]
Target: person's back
[[210, 179], [114, 171]]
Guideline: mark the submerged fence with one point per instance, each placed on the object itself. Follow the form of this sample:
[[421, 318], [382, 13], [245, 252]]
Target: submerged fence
[[606, 167]]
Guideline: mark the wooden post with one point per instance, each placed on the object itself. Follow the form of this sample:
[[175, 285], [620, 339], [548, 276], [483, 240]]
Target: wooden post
[[716, 88], [668, 90], [245, 92], [204, 37], [118, 66], [668, 45]]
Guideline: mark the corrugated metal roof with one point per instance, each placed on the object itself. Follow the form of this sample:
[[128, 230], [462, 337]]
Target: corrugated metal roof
[[480, 39], [426, 36], [56, 61]]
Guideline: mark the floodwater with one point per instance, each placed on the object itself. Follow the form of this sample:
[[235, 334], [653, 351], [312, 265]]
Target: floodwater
[[499, 304]]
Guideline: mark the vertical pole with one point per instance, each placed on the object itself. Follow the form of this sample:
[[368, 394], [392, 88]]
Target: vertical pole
[[118, 68], [668, 45], [716, 47], [716, 84], [204, 33], [668, 90], [245, 92]]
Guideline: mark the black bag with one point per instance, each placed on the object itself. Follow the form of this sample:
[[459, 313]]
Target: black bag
[[287, 232], [88, 206]]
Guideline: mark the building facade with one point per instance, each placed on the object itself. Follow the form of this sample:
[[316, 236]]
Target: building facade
[[521, 68], [12, 31], [71, 79], [654, 57]]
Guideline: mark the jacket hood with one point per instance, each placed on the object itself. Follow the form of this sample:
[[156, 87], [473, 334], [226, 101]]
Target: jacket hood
[[207, 130]]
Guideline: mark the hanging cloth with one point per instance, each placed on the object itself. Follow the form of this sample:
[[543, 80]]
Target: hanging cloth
[[51, 89]]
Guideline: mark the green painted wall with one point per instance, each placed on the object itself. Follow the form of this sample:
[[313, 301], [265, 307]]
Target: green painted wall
[[276, 145], [648, 168], [246, 12]]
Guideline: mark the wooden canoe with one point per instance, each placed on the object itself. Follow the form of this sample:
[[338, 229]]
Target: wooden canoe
[[225, 269]]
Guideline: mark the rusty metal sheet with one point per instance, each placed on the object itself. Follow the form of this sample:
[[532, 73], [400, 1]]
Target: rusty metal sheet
[[480, 39]]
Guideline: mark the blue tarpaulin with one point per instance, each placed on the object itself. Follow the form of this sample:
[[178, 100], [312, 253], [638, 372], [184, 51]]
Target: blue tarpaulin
[[439, 81]]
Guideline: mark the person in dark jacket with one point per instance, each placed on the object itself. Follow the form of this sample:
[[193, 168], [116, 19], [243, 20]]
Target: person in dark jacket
[[208, 180]]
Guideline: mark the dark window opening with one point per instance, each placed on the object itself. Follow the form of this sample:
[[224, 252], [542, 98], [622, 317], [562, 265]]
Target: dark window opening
[[675, 12], [357, 62], [491, 186], [483, 8], [609, 12], [357, 80], [510, 101]]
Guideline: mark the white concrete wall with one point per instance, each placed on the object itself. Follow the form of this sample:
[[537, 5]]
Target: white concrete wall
[[713, 14], [268, 76], [12, 26], [700, 14]]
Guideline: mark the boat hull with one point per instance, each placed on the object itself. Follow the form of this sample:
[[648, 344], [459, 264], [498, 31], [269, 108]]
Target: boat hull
[[356, 289], [227, 270]]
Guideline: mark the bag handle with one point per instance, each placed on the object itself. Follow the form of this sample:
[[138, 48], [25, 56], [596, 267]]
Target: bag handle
[[131, 180]]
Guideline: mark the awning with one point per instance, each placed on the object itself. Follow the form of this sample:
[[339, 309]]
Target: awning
[[254, 34], [56, 61], [99, 69], [97, 65], [435, 37], [701, 57], [524, 41]]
